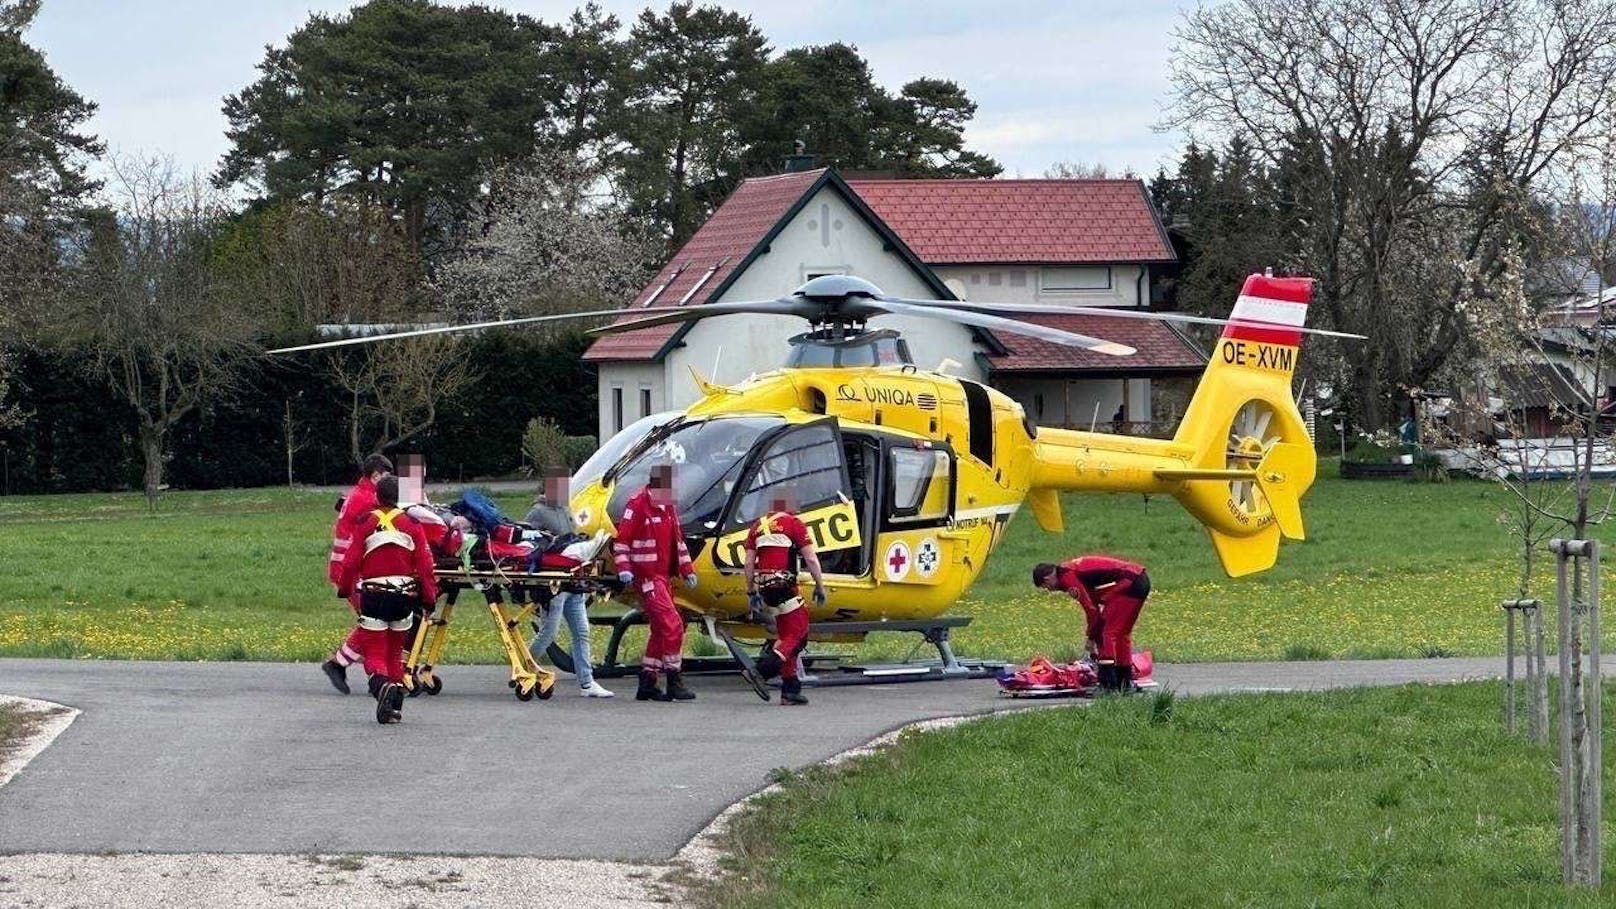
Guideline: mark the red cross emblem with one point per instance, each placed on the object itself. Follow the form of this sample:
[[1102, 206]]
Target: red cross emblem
[[897, 561]]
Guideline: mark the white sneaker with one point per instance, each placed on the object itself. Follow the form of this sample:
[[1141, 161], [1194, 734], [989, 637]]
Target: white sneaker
[[595, 690]]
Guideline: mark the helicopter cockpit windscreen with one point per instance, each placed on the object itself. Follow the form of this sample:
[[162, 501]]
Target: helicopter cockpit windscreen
[[617, 446], [707, 457]]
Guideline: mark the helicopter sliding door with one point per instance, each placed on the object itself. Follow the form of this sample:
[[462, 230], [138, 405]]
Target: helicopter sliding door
[[805, 468]]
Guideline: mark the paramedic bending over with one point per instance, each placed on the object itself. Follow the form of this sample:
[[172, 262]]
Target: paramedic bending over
[[552, 514]]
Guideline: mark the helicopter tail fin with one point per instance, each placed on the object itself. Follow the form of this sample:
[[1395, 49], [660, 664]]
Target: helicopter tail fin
[[1252, 456]]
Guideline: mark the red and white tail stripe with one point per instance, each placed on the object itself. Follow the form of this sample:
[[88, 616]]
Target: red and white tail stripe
[[1270, 310]]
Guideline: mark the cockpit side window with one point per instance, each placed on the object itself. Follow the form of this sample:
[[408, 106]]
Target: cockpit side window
[[922, 485], [807, 462]]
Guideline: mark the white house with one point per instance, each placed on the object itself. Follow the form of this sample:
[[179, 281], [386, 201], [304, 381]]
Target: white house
[[1084, 242]]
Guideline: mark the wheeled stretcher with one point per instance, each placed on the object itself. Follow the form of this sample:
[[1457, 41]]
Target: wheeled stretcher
[[528, 578]]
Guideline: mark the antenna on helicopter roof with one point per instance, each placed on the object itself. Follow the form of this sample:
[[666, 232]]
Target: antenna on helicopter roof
[[716, 357]]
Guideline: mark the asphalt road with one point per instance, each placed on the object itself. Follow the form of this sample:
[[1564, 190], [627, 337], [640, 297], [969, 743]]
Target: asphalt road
[[266, 758]]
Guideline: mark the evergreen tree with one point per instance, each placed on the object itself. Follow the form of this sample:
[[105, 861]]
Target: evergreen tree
[[586, 64], [404, 102], [694, 75], [925, 132], [823, 96], [43, 151]]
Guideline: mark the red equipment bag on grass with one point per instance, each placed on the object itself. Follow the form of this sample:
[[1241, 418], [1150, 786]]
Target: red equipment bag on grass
[[1045, 679]]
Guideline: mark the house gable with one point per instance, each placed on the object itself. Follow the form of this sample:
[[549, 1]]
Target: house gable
[[829, 232]]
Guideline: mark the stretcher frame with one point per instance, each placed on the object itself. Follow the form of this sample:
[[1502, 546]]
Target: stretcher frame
[[527, 678]]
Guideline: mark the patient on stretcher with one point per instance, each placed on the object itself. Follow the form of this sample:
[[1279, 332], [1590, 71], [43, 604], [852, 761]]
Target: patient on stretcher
[[471, 534]]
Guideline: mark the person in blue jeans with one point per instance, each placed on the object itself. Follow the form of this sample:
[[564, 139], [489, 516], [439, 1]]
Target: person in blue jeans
[[552, 513]]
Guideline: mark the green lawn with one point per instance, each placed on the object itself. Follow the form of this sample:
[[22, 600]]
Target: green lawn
[[1407, 796], [1388, 569]]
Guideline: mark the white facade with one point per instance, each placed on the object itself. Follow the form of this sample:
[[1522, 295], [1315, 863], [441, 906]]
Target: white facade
[[1080, 403], [825, 237], [1076, 285]]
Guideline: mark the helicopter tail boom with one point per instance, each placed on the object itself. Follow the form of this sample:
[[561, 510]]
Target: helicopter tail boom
[[1252, 458], [1241, 459]]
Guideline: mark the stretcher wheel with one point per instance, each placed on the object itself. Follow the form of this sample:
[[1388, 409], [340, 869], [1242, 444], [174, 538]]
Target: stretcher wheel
[[523, 692], [435, 686], [547, 692]]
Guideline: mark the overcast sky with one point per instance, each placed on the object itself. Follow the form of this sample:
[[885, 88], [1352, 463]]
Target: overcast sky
[[1079, 80]]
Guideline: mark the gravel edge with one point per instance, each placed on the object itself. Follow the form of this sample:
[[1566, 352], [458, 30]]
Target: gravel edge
[[53, 720]]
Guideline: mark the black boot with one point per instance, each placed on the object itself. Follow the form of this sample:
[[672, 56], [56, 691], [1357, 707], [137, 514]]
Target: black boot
[[791, 693], [648, 687], [1125, 679], [676, 687], [1109, 679], [376, 683], [337, 673], [389, 700]]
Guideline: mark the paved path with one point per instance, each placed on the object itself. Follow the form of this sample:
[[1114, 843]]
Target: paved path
[[266, 758]]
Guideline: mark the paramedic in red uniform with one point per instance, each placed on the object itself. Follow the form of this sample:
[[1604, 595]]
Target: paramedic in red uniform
[[1112, 592], [387, 575], [360, 501], [773, 546], [650, 549]]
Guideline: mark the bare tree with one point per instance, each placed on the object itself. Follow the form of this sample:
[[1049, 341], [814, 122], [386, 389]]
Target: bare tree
[[395, 390], [1558, 361], [1408, 136], [552, 241], [1082, 170], [302, 264], [146, 307]]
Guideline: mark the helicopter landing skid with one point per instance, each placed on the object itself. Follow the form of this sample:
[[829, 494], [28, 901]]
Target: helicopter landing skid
[[947, 667], [820, 670]]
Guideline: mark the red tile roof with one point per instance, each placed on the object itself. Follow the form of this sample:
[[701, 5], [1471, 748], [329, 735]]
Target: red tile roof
[[723, 242], [954, 222], [1159, 347]]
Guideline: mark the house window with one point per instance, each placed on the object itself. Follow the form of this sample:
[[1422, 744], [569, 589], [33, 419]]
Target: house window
[[1063, 280], [1018, 279], [617, 408], [976, 277], [645, 400], [1038, 405], [808, 274], [995, 278]]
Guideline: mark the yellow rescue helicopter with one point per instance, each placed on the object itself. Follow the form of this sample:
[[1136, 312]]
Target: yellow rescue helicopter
[[908, 478]]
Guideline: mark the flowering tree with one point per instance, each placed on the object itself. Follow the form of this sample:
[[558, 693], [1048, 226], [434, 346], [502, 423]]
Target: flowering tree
[[1551, 367], [551, 241]]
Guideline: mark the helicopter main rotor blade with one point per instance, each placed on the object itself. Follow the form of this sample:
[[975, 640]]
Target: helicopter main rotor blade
[[785, 306], [1009, 326], [1051, 309], [450, 329]]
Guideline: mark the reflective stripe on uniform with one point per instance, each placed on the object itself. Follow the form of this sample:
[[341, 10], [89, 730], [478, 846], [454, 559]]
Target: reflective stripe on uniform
[[388, 538], [791, 605]]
